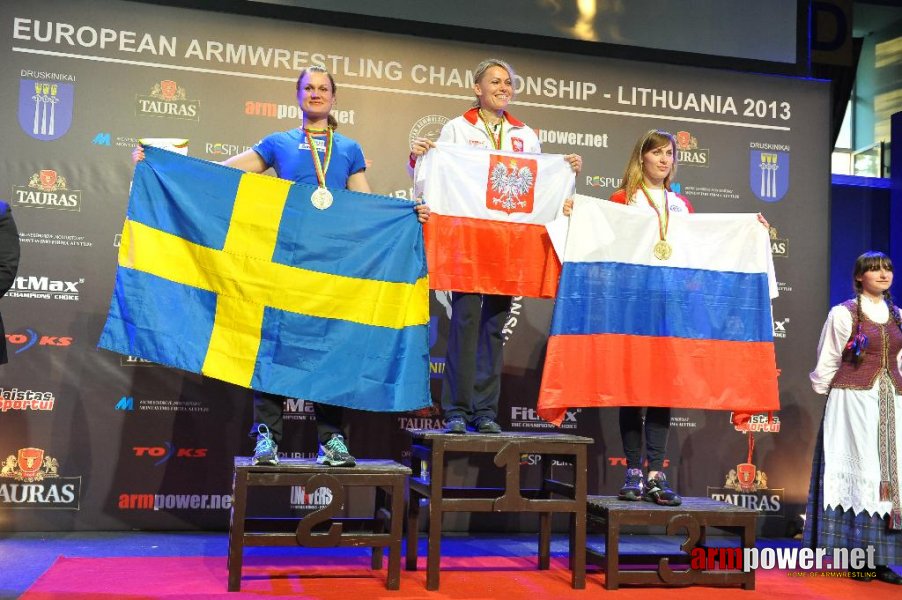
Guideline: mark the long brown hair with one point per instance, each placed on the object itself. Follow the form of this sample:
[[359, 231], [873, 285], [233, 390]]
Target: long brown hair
[[869, 261], [632, 175], [333, 123]]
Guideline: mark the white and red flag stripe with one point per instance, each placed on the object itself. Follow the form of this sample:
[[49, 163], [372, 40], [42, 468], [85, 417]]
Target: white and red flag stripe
[[489, 208]]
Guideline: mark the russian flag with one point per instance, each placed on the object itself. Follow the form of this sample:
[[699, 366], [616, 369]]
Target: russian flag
[[489, 209], [629, 329]]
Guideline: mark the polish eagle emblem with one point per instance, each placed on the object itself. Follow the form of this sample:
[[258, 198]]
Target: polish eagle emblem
[[509, 184]]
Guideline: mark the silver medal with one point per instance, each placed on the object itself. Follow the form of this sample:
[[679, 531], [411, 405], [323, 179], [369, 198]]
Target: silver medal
[[321, 198]]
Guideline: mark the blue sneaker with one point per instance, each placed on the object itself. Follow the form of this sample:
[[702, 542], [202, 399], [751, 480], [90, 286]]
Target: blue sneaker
[[334, 453], [659, 491], [265, 452]]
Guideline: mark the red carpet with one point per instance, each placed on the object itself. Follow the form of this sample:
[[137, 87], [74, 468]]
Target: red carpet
[[351, 579]]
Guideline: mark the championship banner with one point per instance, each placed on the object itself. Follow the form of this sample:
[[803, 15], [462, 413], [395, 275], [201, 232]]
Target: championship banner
[[489, 208], [239, 277], [689, 330]]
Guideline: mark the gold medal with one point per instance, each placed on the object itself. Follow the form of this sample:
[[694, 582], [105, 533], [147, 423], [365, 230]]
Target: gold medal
[[322, 199], [663, 250]]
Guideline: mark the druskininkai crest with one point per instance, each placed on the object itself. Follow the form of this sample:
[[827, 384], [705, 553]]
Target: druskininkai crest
[[511, 184]]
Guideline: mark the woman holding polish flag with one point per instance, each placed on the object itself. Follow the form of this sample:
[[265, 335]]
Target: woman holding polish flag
[[472, 384]]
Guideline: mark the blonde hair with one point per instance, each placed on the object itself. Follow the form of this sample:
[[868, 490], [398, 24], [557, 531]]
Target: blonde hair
[[632, 176], [487, 64]]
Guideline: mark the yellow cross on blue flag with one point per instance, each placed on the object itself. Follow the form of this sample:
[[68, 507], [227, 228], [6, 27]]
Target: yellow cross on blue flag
[[239, 277]]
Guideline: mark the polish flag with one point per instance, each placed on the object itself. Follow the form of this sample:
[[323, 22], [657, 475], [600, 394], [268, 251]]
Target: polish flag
[[489, 209], [694, 330]]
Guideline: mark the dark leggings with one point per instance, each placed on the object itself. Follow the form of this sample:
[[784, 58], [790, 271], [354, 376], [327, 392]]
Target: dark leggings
[[657, 425]]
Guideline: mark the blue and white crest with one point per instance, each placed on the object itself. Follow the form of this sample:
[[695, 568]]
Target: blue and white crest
[[769, 174], [45, 108]]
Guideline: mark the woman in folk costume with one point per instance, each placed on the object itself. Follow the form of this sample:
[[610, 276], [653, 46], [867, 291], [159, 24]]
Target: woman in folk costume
[[853, 501]]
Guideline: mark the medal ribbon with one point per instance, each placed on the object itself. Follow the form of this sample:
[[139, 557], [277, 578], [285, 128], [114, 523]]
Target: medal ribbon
[[320, 167], [495, 142], [663, 223]]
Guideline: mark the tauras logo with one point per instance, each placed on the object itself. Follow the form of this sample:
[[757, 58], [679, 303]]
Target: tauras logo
[[47, 189], [688, 152], [746, 486], [37, 483], [167, 99]]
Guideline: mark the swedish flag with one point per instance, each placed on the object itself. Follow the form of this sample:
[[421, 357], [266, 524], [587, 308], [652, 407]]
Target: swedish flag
[[239, 277]]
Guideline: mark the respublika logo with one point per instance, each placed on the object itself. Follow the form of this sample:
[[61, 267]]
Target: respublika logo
[[36, 482], [31, 338], [769, 171], [167, 99], [16, 399], [688, 152], [603, 181], [41, 287], [45, 104], [47, 189], [223, 149]]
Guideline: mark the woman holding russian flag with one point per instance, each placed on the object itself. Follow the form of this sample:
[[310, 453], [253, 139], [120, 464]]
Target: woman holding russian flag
[[646, 182], [472, 383], [854, 498]]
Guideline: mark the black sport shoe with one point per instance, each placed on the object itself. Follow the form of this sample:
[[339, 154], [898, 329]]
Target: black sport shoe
[[486, 425], [334, 453], [265, 452], [657, 490], [633, 486], [456, 425]]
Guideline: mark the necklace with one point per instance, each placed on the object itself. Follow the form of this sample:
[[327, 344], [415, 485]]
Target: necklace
[[498, 128], [662, 249]]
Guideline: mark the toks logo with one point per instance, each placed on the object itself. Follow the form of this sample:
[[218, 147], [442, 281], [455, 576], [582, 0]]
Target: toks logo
[[38, 484], [47, 189], [511, 185], [168, 451], [688, 152], [167, 99], [31, 338]]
